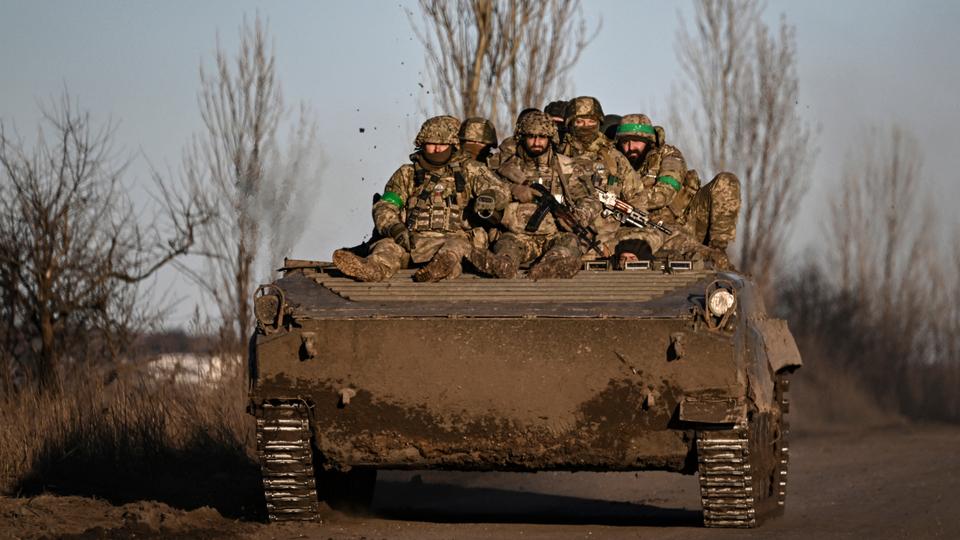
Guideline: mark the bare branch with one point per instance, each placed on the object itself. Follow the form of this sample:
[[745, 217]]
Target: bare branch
[[743, 84], [494, 58]]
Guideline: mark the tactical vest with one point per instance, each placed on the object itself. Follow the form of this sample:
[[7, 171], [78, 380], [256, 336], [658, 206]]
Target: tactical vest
[[440, 201]]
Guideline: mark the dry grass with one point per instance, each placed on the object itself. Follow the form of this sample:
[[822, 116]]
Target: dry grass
[[134, 438]]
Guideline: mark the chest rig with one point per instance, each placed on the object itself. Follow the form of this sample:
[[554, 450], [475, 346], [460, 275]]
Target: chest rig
[[441, 198]]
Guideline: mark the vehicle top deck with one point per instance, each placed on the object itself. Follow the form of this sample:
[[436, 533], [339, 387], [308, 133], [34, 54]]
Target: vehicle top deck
[[322, 292]]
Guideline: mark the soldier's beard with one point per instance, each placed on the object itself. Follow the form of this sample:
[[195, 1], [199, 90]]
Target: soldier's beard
[[438, 158], [535, 151], [635, 157]]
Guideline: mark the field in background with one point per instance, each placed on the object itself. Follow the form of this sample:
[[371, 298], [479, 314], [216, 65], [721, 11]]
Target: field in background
[[130, 435]]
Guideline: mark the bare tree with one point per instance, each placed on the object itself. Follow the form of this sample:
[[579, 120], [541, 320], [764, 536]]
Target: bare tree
[[877, 225], [73, 248], [493, 58], [742, 82], [897, 276], [260, 187]]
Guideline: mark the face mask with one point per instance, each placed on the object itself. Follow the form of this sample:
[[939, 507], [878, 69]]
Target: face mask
[[478, 151], [439, 158], [584, 134]]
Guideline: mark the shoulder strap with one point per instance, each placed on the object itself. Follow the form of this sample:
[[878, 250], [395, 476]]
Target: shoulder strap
[[564, 167], [459, 181]]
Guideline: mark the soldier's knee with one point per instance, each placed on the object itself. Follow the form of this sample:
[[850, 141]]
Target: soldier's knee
[[725, 190], [726, 182], [386, 247]]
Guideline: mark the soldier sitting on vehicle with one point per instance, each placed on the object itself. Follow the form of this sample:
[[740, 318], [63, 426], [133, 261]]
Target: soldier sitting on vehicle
[[556, 251], [600, 165], [557, 111], [478, 138], [704, 220], [508, 146], [422, 213]]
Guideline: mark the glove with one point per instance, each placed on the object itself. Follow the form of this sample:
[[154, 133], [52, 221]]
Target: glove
[[522, 193], [400, 235], [584, 216]]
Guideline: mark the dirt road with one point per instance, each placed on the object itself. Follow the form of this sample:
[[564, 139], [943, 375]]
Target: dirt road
[[894, 482]]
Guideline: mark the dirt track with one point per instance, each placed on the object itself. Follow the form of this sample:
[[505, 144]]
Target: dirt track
[[895, 482]]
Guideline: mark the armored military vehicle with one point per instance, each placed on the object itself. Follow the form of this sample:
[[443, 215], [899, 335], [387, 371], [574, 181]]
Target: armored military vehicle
[[665, 366]]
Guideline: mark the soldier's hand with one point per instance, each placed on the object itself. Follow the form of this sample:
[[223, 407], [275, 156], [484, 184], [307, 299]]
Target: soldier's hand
[[400, 235], [522, 193], [584, 216]]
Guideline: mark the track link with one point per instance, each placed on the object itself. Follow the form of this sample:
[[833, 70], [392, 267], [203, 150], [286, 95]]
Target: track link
[[726, 482], [736, 488], [286, 461], [782, 387]]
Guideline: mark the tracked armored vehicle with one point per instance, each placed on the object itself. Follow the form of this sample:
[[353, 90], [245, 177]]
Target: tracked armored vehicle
[[663, 367]]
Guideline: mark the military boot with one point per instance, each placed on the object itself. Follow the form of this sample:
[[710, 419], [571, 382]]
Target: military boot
[[493, 264], [359, 268], [445, 265], [555, 265]]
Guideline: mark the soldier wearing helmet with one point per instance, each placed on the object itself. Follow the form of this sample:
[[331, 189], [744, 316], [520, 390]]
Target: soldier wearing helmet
[[508, 146], [601, 166], [557, 111], [478, 138], [555, 253], [705, 218], [422, 214]]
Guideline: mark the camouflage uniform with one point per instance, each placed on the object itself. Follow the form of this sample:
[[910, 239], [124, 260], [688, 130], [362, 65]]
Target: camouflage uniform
[[478, 131], [558, 251], [600, 164], [428, 204], [704, 219]]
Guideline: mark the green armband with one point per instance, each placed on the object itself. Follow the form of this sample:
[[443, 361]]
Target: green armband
[[612, 180], [670, 181], [392, 198]]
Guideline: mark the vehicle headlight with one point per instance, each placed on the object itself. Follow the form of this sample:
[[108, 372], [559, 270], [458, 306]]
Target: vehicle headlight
[[721, 301]]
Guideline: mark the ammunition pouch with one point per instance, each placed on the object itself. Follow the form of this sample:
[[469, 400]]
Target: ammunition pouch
[[431, 209]]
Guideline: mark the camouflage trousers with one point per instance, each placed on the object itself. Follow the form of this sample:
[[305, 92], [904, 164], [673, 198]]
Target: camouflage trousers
[[711, 217], [392, 257], [525, 248]]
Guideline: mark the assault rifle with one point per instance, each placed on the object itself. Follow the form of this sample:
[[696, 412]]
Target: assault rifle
[[625, 213], [563, 215]]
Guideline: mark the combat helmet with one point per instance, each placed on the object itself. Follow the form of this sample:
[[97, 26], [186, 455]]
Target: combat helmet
[[556, 108], [438, 130], [637, 126], [583, 106], [476, 129], [538, 124]]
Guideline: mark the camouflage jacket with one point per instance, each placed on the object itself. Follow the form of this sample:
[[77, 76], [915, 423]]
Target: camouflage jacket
[[556, 172], [602, 166], [670, 186], [435, 199]]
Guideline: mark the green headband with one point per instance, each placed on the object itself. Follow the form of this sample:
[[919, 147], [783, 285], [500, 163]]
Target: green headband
[[627, 129]]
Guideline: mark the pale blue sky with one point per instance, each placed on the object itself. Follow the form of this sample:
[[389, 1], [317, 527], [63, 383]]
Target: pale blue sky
[[861, 63]]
